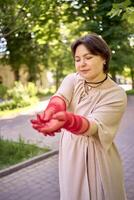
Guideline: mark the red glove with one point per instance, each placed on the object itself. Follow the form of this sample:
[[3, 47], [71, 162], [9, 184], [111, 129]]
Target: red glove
[[74, 123], [50, 127], [56, 104]]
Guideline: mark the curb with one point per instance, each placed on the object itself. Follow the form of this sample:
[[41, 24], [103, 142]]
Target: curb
[[26, 163]]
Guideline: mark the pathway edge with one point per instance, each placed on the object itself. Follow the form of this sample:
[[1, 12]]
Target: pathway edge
[[27, 163]]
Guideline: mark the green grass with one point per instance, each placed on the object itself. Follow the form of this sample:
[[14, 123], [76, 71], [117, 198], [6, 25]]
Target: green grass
[[130, 92], [12, 152]]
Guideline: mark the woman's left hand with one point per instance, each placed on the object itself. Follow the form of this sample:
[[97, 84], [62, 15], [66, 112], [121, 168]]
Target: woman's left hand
[[48, 128]]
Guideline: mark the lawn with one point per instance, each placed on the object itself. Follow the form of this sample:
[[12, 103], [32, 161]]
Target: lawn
[[12, 152], [130, 92]]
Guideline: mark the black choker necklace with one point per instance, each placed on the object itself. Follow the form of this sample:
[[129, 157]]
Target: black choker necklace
[[97, 83]]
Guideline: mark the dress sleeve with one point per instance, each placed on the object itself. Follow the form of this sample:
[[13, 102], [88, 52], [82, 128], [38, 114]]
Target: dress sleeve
[[66, 88], [105, 119]]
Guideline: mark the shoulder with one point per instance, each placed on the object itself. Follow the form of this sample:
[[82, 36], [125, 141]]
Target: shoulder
[[113, 93], [117, 91], [72, 75], [73, 78]]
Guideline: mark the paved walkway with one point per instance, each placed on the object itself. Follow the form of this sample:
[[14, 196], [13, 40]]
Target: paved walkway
[[40, 181], [36, 182]]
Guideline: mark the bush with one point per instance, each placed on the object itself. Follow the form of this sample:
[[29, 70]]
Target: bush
[[7, 105], [18, 92], [3, 91], [130, 92], [31, 89], [19, 96], [11, 104]]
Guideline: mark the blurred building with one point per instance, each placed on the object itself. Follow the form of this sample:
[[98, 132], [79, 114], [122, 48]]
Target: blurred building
[[7, 77]]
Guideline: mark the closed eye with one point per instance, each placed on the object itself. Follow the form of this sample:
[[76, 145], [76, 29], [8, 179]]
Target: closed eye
[[77, 60], [89, 57]]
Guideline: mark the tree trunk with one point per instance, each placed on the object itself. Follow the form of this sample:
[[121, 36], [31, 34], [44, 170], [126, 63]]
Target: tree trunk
[[16, 72]]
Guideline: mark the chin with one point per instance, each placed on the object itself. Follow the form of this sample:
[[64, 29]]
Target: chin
[[86, 76]]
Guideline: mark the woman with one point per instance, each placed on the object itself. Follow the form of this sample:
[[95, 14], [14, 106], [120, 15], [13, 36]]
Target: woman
[[86, 110]]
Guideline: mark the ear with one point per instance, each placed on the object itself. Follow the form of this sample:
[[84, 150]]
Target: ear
[[104, 62]]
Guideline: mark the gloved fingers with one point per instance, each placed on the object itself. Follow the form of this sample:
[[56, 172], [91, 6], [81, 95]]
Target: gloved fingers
[[41, 117], [48, 134], [47, 115], [51, 134], [38, 117], [34, 121], [38, 128], [38, 120], [51, 126], [45, 133]]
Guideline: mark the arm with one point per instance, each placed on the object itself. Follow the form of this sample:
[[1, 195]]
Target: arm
[[76, 124], [55, 118], [106, 117]]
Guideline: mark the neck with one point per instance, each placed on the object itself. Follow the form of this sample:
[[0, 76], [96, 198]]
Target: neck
[[97, 81]]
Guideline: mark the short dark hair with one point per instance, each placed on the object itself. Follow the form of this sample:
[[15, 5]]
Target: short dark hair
[[96, 45]]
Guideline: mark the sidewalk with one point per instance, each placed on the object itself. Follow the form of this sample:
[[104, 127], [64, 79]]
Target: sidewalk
[[36, 182], [40, 181]]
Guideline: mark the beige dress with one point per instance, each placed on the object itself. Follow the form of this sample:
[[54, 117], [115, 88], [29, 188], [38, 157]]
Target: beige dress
[[89, 165]]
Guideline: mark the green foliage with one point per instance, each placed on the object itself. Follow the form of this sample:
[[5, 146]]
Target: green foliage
[[19, 95], [125, 8], [93, 16], [130, 92], [42, 32], [15, 152], [31, 89], [3, 90], [12, 104], [28, 27], [8, 105], [46, 92], [129, 15], [118, 8]]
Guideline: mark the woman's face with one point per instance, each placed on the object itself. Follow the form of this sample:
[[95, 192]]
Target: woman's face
[[88, 65]]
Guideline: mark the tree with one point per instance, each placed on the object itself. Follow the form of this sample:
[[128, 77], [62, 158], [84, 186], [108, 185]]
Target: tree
[[28, 27], [93, 17], [15, 28], [125, 8], [42, 33]]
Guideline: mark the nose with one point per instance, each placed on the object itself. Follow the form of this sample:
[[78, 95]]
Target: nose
[[83, 62]]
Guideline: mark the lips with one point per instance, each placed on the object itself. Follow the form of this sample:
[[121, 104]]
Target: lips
[[84, 71]]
